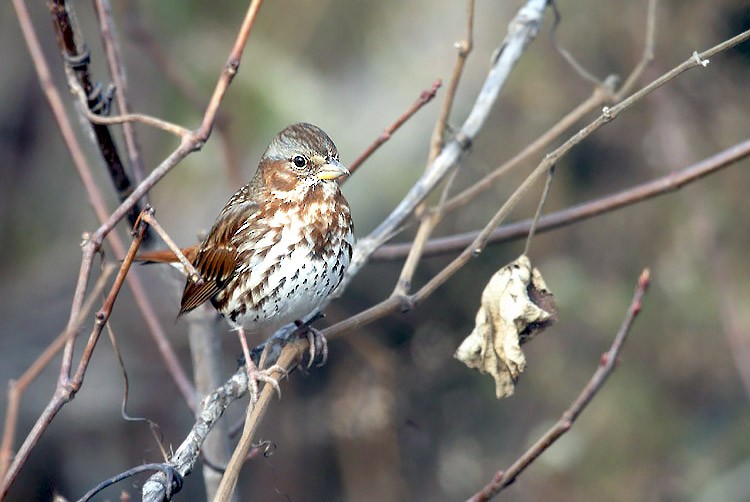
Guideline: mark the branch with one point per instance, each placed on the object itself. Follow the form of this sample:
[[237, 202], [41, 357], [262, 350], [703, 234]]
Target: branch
[[464, 48], [212, 408], [68, 387], [607, 365], [424, 97], [660, 186], [77, 63], [17, 387], [521, 32], [117, 71]]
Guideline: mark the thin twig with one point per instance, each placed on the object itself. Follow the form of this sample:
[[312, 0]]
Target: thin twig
[[170, 69], [660, 186], [117, 71], [538, 214], [197, 138], [521, 32], [464, 48], [567, 56], [96, 200], [17, 387], [424, 98], [604, 92], [190, 271], [607, 365], [601, 95], [76, 69], [646, 57], [393, 304], [68, 387], [290, 355], [127, 118], [430, 220]]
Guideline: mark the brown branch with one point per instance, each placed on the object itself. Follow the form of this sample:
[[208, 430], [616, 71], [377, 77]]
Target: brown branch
[[213, 407], [424, 98], [660, 186], [17, 387], [141, 36], [464, 49], [117, 72], [197, 138], [290, 355], [128, 118], [67, 387], [430, 220], [231, 67], [190, 271], [604, 93], [97, 202], [77, 70], [607, 365], [600, 96]]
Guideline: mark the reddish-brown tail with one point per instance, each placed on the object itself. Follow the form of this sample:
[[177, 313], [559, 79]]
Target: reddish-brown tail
[[166, 255]]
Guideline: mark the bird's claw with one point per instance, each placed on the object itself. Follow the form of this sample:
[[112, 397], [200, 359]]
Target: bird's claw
[[254, 375], [318, 345]]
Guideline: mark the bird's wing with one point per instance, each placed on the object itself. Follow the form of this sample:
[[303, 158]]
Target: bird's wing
[[217, 257]]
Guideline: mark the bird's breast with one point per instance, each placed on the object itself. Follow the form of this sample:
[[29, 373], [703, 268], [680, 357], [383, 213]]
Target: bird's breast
[[296, 261]]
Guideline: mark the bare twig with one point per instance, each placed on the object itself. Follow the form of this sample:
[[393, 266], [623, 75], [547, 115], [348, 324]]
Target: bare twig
[[538, 214], [600, 96], [117, 71], [213, 407], [77, 58], [290, 355], [464, 49], [424, 98], [567, 56], [521, 32], [608, 363], [392, 304], [68, 387], [169, 67], [127, 118], [660, 186], [646, 57], [17, 387], [197, 138], [430, 221], [97, 202], [604, 93], [190, 271]]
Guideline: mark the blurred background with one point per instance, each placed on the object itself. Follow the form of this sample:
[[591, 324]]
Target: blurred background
[[392, 416]]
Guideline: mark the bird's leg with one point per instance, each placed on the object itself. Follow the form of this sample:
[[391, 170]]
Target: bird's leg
[[255, 375], [318, 342]]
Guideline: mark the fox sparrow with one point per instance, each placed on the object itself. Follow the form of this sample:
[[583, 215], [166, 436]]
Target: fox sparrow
[[281, 244]]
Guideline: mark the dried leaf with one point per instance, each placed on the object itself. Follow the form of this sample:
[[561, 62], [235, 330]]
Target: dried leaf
[[516, 306]]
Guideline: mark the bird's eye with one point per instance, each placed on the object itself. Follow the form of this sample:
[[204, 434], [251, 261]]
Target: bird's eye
[[299, 161]]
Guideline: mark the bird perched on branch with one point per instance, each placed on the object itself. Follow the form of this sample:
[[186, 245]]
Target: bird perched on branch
[[279, 247]]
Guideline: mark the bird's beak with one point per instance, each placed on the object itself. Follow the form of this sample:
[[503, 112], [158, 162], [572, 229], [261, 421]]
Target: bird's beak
[[332, 170]]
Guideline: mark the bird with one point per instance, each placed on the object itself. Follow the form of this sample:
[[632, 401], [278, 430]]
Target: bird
[[279, 247]]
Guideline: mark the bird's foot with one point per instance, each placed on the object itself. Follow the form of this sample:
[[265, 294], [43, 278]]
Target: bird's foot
[[318, 343], [255, 376]]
